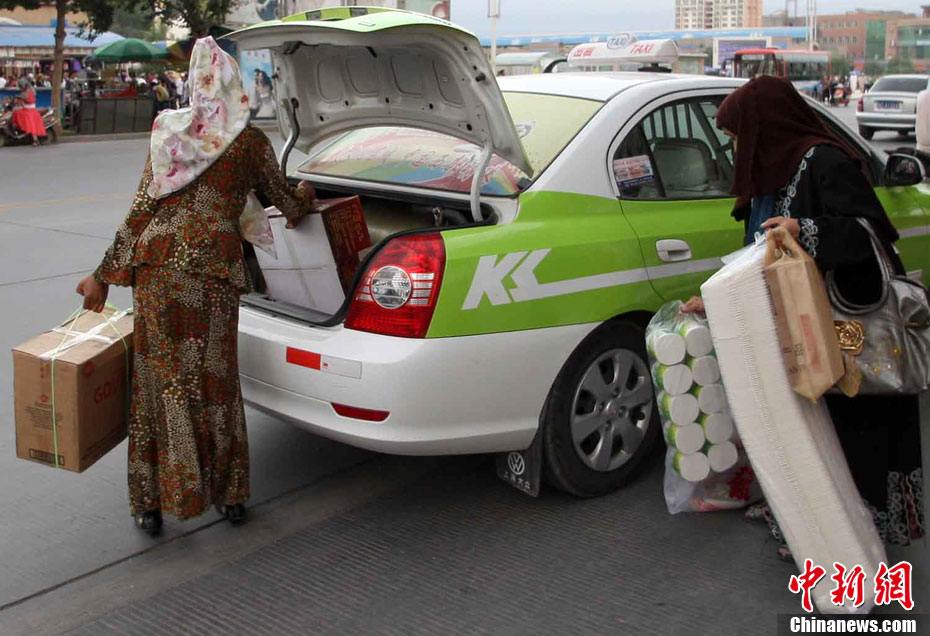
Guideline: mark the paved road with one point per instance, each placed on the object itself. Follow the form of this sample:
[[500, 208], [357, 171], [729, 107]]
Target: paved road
[[59, 209], [341, 540], [885, 141]]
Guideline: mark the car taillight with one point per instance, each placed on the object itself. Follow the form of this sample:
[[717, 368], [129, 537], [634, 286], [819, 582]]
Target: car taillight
[[860, 107], [397, 293]]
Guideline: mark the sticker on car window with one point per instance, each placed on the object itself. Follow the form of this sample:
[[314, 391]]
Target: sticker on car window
[[633, 171]]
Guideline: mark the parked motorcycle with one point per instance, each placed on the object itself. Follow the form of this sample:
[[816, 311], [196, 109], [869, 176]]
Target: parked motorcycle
[[10, 135]]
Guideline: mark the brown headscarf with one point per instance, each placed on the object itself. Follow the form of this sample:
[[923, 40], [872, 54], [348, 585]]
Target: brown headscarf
[[774, 129]]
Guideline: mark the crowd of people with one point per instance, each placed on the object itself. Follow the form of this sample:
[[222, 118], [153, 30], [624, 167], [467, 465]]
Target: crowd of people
[[834, 91]]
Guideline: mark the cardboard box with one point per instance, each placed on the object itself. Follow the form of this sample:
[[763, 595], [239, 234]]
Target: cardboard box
[[91, 382], [316, 261]]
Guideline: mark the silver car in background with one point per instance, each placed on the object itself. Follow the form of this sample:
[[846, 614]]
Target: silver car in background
[[891, 104]]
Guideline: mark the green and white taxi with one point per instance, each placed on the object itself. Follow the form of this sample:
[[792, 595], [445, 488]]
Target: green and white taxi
[[525, 232]]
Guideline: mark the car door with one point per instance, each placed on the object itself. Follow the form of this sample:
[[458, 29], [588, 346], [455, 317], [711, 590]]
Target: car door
[[673, 169]]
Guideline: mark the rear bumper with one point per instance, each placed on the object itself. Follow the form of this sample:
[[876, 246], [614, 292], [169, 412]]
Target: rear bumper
[[475, 394], [887, 121]]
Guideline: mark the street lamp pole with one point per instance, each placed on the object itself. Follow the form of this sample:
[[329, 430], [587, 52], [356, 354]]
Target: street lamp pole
[[494, 12]]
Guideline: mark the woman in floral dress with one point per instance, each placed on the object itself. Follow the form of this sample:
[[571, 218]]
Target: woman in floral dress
[[180, 249]]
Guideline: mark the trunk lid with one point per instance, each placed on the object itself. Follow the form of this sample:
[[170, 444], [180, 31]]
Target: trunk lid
[[355, 67]]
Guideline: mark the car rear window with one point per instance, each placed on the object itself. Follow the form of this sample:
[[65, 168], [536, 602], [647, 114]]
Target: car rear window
[[412, 156], [900, 84]]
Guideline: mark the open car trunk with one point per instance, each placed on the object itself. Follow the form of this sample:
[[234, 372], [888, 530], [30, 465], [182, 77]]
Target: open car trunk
[[305, 280], [340, 69]]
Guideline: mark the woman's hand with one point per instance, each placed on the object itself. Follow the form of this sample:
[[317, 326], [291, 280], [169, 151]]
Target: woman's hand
[[94, 293], [792, 225], [306, 191], [694, 305]]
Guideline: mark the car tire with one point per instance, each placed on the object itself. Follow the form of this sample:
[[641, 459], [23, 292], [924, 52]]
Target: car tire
[[625, 413], [866, 133]]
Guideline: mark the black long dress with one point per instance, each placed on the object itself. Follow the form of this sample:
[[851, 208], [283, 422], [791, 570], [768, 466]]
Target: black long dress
[[880, 435]]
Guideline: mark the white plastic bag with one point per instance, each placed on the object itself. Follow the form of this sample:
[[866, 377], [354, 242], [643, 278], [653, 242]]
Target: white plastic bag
[[255, 226], [705, 466]]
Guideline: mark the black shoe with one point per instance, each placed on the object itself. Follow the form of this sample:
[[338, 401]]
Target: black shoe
[[149, 522], [234, 514]]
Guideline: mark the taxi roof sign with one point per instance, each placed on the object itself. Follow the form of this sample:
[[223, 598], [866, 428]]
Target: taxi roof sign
[[638, 52]]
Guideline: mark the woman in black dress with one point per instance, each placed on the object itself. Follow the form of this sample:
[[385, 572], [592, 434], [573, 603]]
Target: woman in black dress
[[790, 170]]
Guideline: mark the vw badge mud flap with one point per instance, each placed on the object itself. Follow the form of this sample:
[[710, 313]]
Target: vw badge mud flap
[[522, 469]]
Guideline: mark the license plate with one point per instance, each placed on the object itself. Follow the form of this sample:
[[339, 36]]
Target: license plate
[[886, 105]]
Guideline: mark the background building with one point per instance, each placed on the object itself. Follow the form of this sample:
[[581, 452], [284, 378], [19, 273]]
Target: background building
[[694, 14], [856, 35], [736, 14], [717, 14], [43, 16], [908, 39]]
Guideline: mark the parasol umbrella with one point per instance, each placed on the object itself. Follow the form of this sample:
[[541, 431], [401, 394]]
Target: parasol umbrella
[[129, 50]]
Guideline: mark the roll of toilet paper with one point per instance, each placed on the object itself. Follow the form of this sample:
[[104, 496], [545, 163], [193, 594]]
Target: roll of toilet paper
[[674, 380], [687, 439], [711, 398], [722, 457], [698, 342], [691, 466], [679, 409], [666, 347], [704, 370], [718, 427]]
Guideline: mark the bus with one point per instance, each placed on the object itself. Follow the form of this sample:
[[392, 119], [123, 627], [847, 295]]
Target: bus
[[804, 69]]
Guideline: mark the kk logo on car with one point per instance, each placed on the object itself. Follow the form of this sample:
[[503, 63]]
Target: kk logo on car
[[520, 267]]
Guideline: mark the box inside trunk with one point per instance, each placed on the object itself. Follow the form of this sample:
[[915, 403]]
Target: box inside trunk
[[318, 263]]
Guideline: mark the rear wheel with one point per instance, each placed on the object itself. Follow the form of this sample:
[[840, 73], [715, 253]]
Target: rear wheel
[[600, 422], [866, 133]]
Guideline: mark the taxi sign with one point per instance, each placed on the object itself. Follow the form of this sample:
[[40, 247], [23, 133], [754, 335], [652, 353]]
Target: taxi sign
[[638, 52]]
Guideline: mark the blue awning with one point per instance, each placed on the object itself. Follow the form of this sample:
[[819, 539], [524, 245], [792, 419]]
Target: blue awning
[[29, 36]]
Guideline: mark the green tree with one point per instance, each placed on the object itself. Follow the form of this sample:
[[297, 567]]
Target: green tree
[[900, 64], [137, 24], [99, 16], [840, 65], [197, 15]]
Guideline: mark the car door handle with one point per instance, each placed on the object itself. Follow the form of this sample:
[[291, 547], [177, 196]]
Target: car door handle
[[672, 250]]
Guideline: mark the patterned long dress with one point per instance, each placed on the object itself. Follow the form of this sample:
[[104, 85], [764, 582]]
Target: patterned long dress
[[182, 255]]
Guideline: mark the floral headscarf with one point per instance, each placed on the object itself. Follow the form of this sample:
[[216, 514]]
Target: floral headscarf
[[187, 141]]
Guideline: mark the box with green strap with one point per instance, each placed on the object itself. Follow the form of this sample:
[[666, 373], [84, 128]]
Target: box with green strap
[[71, 389]]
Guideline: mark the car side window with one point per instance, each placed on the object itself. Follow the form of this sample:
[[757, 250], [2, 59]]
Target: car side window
[[676, 152]]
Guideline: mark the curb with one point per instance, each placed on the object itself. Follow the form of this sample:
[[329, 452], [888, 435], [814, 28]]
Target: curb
[[268, 126], [75, 138]]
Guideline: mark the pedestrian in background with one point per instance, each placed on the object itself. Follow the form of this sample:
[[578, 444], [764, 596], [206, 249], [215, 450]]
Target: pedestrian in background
[[181, 250], [25, 116], [162, 96]]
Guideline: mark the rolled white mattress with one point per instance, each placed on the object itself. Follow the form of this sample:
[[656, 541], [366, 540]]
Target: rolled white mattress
[[790, 441]]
